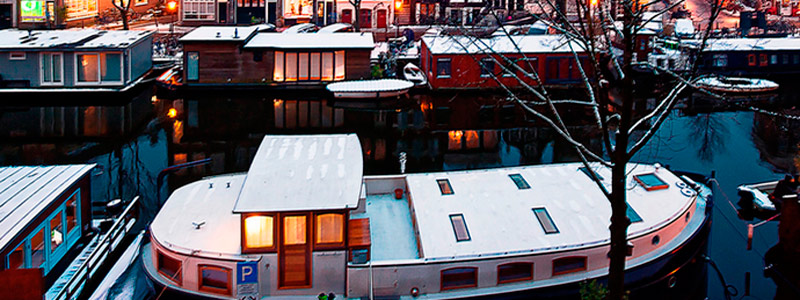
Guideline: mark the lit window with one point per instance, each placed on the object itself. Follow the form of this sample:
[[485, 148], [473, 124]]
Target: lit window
[[258, 232], [169, 267], [87, 67], [460, 227], [459, 278], [291, 66], [568, 265], [650, 182], [315, 66], [339, 65], [16, 259], [215, 279], [444, 186], [72, 212], [330, 229], [56, 232], [519, 181], [303, 67], [37, 249], [544, 219], [294, 230], [443, 68], [277, 75], [762, 60], [514, 272], [327, 66]]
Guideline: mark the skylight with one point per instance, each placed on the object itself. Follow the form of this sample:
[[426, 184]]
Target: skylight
[[589, 173], [544, 219], [650, 181], [444, 186], [519, 181], [632, 215], [460, 227]]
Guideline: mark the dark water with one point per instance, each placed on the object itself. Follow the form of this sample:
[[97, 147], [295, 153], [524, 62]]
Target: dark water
[[131, 143]]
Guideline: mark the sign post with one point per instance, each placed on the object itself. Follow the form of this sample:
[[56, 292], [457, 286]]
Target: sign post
[[247, 280]]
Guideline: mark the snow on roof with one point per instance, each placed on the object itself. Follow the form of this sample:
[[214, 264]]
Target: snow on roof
[[461, 44], [378, 85], [750, 44], [339, 40], [334, 28], [223, 33], [116, 39], [80, 38], [494, 208], [303, 172], [26, 191]]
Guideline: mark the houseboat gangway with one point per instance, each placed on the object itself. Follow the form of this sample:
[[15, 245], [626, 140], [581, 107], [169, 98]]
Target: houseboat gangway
[[304, 220], [369, 89]]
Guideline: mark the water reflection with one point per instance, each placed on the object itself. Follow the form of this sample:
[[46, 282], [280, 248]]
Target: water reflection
[[710, 135]]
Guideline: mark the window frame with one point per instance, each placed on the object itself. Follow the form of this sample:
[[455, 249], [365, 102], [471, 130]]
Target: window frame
[[534, 63], [525, 186], [202, 267], [178, 279], [549, 218], [569, 271], [42, 57], [26, 249], [651, 188], [273, 248], [763, 60], [329, 246], [11, 55], [449, 67], [455, 231], [474, 271], [751, 60], [192, 9], [528, 265], [446, 181], [100, 81], [486, 67]]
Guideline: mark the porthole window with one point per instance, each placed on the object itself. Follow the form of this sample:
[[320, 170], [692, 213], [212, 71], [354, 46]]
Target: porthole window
[[656, 240], [169, 267], [688, 215], [215, 279]]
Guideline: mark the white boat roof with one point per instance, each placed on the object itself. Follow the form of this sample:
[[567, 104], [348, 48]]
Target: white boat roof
[[750, 44], [303, 172], [494, 208], [338, 40], [461, 44], [333, 28], [26, 191], [116, 39], [222, 33], [378, 85]]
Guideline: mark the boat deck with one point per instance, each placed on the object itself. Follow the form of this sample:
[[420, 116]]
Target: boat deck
[[391, 228]]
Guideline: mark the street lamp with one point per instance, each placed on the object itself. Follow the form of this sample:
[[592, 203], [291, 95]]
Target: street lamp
[[172, 6]]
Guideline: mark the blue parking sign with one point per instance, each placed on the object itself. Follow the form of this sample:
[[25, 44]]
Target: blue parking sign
[[247, 272]]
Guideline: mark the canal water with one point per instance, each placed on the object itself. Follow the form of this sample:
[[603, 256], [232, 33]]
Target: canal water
[[133, 141]]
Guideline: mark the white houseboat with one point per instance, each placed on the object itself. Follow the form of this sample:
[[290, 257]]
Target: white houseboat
[[304, 220]]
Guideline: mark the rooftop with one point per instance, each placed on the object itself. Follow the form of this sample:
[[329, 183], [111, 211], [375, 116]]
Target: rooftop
[[505, 44], [339, 40], [749, 44], [223, 33], [26, 191], [79, 38]]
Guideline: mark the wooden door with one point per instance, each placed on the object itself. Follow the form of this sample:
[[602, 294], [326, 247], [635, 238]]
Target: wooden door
[[347, 16], [381, 18], [294, 254]]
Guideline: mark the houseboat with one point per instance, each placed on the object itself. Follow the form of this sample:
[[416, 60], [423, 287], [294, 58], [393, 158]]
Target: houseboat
[[752, 56], [247, 58], [467, 62], [85, 61], [304, 220]]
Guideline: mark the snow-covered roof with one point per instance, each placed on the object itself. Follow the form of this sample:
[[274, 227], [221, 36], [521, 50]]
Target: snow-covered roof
[[378, 85], [78, 38], [303, 172], [335, 27], [461, 44], [339, 40], [26, 191], [750, 44], [223, 33], [494, 209], [684, 27]]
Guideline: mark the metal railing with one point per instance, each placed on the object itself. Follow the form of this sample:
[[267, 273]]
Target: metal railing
[[105, 245]]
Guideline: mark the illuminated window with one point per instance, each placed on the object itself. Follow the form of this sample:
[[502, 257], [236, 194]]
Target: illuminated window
[[277, 75], [37, 249], [16, 259], [519, 181], [77, 9], [339, 65], [330, 229], [56, 232], [545, 221], [444, 186], [473, 140], [72, 212], [751, 60], [87, 67], [215, 279], [259, 232], [459, 278], [291, 66], [513, 272], [294, 230], [303, 67], [443, 68], [460, 227], [568, 265], [327, 66], [169, 267], [315, 66]]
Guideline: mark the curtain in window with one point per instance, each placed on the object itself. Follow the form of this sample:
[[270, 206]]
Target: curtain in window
[[315, 66], [87, 68], [294, 230], [277, 75], [339, 65], [327, 66], [291, 66], [258, 231], [330, 228]]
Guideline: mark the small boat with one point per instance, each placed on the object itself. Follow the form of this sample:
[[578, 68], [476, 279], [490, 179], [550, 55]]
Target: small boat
[[414, 74], [737, 85], [171, 79], [368, 89], [756, 196]]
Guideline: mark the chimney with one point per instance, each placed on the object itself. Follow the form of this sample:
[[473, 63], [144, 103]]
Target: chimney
[[236, 33]]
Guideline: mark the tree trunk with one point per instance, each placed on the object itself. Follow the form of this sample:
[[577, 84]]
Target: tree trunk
[[124, 14]]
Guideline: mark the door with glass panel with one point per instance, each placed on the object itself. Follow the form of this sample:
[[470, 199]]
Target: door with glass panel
[[294, 254]]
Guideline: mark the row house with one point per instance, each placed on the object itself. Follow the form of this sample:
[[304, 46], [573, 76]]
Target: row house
[[246, 12], [246, 57], [466, 62], [371, 13], [40, 14]]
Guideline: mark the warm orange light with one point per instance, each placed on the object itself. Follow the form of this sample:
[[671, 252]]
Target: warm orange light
[[398, 5], [172, 5], [172, 113], [593, 2], [456, 134], [258, 231], [277, 102]]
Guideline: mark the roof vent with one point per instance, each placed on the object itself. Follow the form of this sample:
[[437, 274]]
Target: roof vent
[[197, 225], [219, 34], [236, 33]]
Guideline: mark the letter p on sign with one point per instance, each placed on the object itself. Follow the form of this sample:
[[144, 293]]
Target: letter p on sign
[[247, 271]]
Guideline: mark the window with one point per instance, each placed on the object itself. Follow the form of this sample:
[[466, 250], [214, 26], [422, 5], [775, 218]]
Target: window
[[215, 279], [198, 9], [339, 65], [291, 66], [459, 278], [330, 229], [87, 67], [52, 68], [78, 9], [519, 181], [16, 56], [513, 272], [568, 265], [632, 215], [443, 68], [751, 60], [720, 60], [16, 259], [110, 67], [796, 59], [259, 232], [444, 186], [786, 59], [72, 211], [192, 61], [487, 67], [140, 2], [327, 66], [56, 232], [169, 267], [529, 65], [545, 221], [460, 227], [37, 249], [650, 182], [303, 68], [103, 67], [294, 230], [762, 60], [590, 173], [773, 59], [315, 67], [277, 75]]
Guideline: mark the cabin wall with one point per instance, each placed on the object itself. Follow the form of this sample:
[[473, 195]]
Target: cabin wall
[[357, 64], [217, 61], [141, 58], [738, 62], [27, 69]]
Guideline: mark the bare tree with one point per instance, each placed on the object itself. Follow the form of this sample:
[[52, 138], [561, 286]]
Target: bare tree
[[591, 31], [123, 6], [356, 13]]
